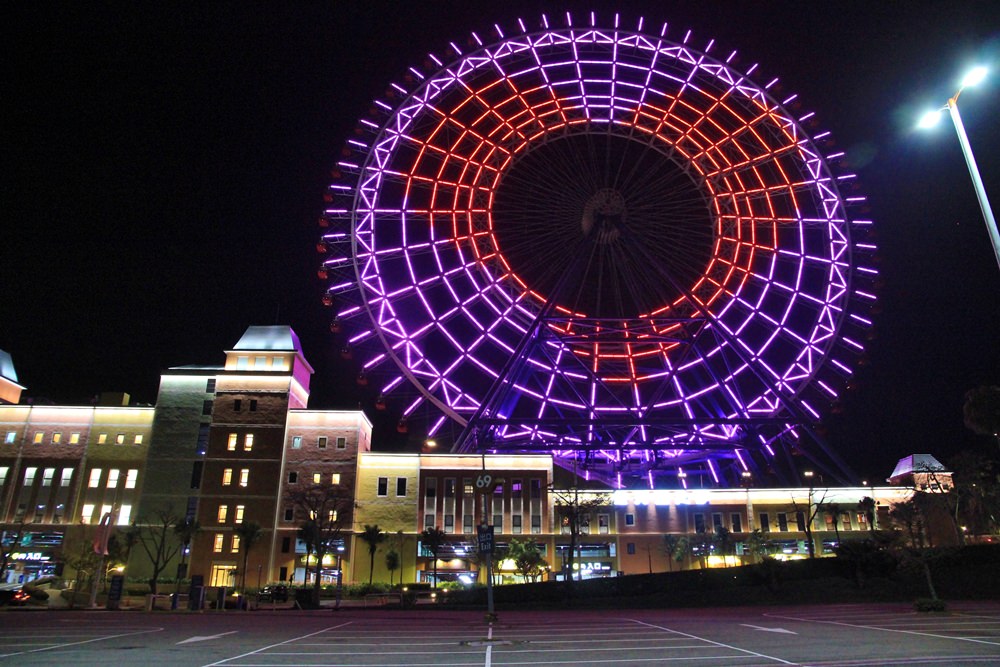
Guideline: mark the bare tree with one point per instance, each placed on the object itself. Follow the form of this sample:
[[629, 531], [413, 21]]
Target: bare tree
[[156, 539], [322, 510], [575, 509], [807, 515]]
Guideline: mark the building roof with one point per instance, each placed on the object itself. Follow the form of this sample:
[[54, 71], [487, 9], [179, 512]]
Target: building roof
[[280, 337], [916, 463], [7, 367]]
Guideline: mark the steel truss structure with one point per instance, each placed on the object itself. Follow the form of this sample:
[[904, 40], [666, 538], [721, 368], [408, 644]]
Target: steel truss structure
[[594, 241]]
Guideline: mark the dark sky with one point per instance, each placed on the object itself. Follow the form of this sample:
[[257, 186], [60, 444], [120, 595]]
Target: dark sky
[[164, 165]]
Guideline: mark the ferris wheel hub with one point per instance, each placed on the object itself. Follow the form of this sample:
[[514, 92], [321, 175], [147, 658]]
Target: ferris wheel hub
[[604, 215]]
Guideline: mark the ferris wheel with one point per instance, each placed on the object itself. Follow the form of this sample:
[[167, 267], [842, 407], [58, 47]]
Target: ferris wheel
[[592, 240]]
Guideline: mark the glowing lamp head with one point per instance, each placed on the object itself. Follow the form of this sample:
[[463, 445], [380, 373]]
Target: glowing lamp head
[[974, 77], [929, 119]]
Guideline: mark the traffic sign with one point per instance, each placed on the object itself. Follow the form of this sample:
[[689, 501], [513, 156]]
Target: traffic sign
[[485, 535]]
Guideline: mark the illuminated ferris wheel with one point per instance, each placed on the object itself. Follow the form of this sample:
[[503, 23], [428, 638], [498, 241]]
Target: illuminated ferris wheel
[[594, 241]]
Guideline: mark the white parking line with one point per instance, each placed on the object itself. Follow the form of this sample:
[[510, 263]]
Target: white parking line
[[881, 628], [85, 641], [709, 641], [287, 641]]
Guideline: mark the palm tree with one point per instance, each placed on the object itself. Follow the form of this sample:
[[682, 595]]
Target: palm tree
[[249, 533], [391, 563], [372, 536], [433, 539]]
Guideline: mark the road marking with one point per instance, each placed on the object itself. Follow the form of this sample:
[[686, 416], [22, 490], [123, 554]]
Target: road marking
[[709, 641], [85, 641], [287, 641], [205, 638], [763, 629], [882, 629], [489, 648]]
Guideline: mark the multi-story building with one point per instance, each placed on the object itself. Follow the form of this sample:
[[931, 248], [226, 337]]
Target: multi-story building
[[230, 445]]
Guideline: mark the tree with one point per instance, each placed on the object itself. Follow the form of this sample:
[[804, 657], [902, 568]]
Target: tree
[[834, 511], [756, 545], [156, 539], [433, 539], [724, 542], [372, 536], [11, 540], [867, 506], [322, 511], [670, 543], [307, 533], [527, 559], [249, 533], [575, 510], [391, 563], [977, 493], [807, 515], [981, 411], [185, 531]]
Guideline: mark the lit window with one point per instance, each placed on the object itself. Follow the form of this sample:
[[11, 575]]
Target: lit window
[[321, 442], [244, 477], [74, 438], [331, 516], [335, 478], [217, 547], [113, 478], [102, 439], [248, 442], [260, 362], [120, 439], [223, 512], [47, 476], [341, 443], [67, 477], [29, 476], [124, 514], [9, 440], [317, 478], [87, 514], [131, 478], [95, 478], [227, 477], [278, 364], [56, 438], [242, 363], [3, 474], [297, 442], [105, 511], [236, 544], [231, 446], [239, 514], [38, 438], [138, 438], [383, 486]]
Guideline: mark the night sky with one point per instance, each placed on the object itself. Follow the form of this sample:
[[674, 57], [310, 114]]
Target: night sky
[[164, 165]]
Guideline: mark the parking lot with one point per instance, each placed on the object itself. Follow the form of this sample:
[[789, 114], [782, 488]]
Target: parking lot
[[852, 635]]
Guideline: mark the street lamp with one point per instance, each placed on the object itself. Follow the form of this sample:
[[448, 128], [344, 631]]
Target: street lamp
[[930, 119]]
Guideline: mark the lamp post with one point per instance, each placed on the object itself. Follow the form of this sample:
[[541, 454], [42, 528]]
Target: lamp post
[[931, 118]]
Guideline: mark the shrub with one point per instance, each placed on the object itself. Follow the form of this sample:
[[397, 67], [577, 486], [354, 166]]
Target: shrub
[[929, 604]]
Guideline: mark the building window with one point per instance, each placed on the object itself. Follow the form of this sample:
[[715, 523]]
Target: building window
[[242, 363], [248, 442], [237, 405], [120, 439], [630, 548], [699, 523], [629, 519], [67, 477], [383, 486], [9, 440], [47, 476], [293, 477], [289, 514], [239, 514], [467, 524], [74, 438], [260, 362], [321, 442], [223, 513], [95, 478], [800, 521], [56, 438], [736, 519], [236, 544], [297, 442], [782, 522], [335, 478], [765, 522], [131, 478], [231, 444], [217, 546], [603, 523], [467, 488], [38, 438], [3, 475], [536, 524], [244, 477], [253, 405], [430, 487], [515, 489], [138, 438], [277, 364], [206, 408], [341, 443], [87, 515], [515, 521], [428, 521], [210, 386], [227, 476], [400, 487], [102, 439], [449, 488], [716, 522], [449, 523], [317, 478]]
